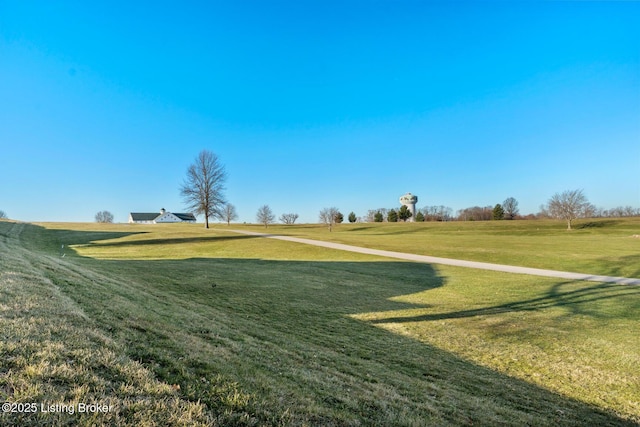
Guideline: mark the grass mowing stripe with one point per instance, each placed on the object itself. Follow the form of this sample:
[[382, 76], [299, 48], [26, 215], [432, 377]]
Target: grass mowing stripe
[[293, 336], [53, 353]]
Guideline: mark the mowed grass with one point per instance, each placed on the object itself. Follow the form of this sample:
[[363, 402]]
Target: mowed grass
[[204, 326], [594, 246]]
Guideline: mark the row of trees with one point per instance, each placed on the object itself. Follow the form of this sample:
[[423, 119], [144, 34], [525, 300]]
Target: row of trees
[[203, 189], [619, 212], [428, 213], [568, 205], [505, 210], [327, 216], [266, 216], [392, 215], [332, 216]]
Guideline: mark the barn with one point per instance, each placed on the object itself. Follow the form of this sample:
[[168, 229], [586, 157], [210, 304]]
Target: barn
[[159, 218]]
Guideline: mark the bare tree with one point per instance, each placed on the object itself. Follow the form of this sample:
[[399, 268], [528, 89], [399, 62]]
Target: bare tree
[[289, 218], [437, 213], [510, 206], [620, 211], [476, 213], [328, 217], [568, 205], [265, 215], [3, 215], [203, 186], [229, 213], [104, 217], [543, 212]]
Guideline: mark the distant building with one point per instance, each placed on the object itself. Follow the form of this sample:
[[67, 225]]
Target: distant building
[[162, 217], [410, 200]]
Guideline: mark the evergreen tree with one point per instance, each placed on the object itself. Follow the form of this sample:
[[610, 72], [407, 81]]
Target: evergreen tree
[[392, 216], [404, 214], [352, 217], [378, 217], [420, 217], [498, 212]]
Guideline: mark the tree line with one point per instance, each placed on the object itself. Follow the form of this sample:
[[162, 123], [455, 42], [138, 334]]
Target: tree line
[[203, 193]]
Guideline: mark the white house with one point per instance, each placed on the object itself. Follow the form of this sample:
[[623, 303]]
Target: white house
[[162, 217]]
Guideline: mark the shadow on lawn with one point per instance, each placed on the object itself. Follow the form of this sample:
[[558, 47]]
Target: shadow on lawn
[[596, 224], [171, 241], [298, 308], [563, 294], [288, 311], [629, 260]]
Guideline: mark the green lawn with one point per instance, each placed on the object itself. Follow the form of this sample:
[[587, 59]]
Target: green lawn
[[596, 246], [177, 325]]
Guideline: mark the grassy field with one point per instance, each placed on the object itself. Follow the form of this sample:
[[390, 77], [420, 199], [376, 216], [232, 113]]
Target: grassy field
[[595, 246], [177, 325]]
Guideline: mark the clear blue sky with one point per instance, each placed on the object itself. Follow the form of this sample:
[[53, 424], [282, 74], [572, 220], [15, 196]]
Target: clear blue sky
[[103, 105]]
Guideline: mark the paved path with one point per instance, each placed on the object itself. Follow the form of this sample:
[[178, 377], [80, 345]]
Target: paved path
[[449, 261]]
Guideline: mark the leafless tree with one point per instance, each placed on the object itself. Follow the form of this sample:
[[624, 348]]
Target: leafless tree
[[229, 213], [589, 211], [289, 218], [370, 215], [569, 205], [543, 212], [476, 213], [510, 206], [620, 211], [3, 215], [265, 215], [631, 211], [437, 213], [104, 217], [328, 217], [203, 187]]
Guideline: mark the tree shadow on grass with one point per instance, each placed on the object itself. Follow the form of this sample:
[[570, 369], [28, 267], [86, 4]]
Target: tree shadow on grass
[[563, 294], [629, 260], [359, 229], [294, 310], [595, 224], [273, 318]]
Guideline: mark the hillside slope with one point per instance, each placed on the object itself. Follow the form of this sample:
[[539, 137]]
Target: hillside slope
[[211, 339]]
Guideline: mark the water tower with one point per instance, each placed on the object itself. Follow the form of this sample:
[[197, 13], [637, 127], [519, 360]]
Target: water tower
[[409, 200]]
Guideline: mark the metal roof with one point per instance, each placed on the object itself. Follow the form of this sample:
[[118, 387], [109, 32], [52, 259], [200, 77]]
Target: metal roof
[[141, 216], [146, 216]]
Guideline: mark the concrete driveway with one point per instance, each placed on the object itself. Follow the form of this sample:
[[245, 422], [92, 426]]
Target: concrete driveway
[[449, 261]]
